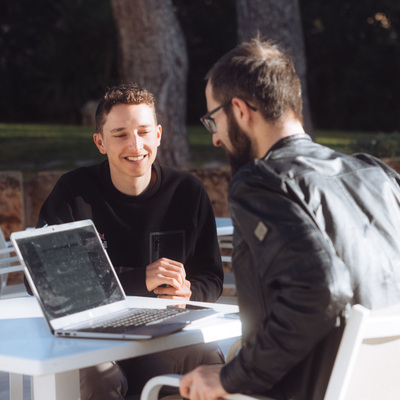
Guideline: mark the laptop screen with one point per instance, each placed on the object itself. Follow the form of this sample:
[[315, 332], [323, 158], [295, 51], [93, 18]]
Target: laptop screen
[[70, 270]]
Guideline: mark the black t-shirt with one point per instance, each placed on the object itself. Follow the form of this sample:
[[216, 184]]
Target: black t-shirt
[[173, 219]]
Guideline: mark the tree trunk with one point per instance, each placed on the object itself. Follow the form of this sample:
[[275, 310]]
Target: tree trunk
[[153, 54], [280, 21]]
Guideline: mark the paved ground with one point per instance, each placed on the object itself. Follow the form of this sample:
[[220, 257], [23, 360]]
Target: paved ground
[[4, 387]]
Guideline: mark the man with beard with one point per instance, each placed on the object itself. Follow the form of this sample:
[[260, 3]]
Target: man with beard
[[315, 231]]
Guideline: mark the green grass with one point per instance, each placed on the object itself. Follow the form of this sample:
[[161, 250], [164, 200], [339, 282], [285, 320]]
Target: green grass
[[339, 140], [203, 151], [36, 147], [45, 147], [39, 147]]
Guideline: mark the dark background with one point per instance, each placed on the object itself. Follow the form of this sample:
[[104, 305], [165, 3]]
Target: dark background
[[55, 56]]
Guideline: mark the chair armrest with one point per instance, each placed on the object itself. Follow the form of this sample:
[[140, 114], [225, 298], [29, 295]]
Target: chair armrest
[[233, 350], [154, 385]]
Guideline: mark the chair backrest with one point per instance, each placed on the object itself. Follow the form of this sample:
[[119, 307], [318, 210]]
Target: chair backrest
[[9, 262], [225, 232], [8, 259], [3, 242], [367, 364], [3, 263]]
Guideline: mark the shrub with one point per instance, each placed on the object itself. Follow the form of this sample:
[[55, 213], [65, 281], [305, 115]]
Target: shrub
[[381, 145]]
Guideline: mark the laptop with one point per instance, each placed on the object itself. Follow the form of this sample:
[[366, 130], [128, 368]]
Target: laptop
[[78, 289]]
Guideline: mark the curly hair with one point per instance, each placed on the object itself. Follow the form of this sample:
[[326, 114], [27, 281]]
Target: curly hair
[[125, 93]]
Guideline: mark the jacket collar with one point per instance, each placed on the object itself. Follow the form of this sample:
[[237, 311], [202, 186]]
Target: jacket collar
[[287, 140]]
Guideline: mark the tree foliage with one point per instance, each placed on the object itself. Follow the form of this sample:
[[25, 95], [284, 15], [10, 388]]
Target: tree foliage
[[56, 55], [353, 55]]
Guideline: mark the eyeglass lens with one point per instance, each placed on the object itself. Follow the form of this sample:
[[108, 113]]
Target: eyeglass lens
[[209, 124]]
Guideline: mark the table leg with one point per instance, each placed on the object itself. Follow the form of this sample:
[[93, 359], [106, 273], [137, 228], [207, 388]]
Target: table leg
[[62, 386], [16, 387]]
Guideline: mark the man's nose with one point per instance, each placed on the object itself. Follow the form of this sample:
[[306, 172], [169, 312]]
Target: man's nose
[[216, 140], [136, 141]]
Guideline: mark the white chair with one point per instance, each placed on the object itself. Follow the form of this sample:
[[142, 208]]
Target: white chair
[[225, 241], [225, 236], [9, 262], [3, 246], [226, 246], [367, 365]]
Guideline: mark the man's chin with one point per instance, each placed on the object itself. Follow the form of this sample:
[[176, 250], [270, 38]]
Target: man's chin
[[236, 163], [241, 152]]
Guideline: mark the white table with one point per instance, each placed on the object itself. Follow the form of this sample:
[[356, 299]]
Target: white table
[[224, 226], [27, 346]]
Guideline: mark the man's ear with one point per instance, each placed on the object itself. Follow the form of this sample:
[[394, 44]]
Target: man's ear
[[241, 111], [159, 133], [98, 141]]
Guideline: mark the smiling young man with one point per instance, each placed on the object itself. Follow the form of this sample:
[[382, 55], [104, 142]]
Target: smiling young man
[[156, 223], [315, 232], [130, 138]]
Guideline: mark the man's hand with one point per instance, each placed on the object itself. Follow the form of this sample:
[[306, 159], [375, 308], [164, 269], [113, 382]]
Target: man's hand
[[169, 292], [203, 383], [170, 273]]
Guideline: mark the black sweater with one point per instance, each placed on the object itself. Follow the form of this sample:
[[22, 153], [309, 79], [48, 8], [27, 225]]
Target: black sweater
[[173, 219]]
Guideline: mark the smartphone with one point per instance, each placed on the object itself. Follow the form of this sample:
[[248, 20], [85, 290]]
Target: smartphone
[[189, 307]]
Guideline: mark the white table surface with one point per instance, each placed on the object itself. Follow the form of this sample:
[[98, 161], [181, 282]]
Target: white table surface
[[224, 226], [27, 346]]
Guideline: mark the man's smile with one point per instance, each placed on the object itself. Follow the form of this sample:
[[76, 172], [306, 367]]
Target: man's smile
[[138, 158]]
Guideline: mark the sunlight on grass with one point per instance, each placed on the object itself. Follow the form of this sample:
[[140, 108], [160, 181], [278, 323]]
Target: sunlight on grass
[[38, 147], [44, 130], [35, 147]]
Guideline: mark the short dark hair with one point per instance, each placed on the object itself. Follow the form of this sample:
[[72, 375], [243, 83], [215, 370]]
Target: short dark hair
[[261, 73], [125, 93]]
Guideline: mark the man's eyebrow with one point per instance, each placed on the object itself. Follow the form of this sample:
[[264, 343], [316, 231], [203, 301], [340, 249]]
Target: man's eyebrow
[[115, 130]]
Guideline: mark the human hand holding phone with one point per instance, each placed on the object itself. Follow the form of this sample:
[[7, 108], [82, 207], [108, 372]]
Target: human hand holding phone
[[167, 279]]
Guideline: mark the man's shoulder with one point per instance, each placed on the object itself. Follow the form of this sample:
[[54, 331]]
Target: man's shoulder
[[311, 164], [180, 175], [288, 163], [265, 173], [310, 158], [81, 174]]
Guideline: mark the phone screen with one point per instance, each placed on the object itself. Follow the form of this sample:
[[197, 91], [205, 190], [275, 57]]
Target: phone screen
[[189, 307]]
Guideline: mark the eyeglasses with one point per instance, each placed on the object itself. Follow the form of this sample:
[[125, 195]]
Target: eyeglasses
[[209, 122]]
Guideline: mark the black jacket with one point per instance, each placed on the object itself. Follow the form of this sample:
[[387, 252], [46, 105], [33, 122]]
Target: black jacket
[[316, 231]]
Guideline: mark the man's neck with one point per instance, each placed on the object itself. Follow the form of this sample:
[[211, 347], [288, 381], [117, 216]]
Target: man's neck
[[134, 186], [267, 134]]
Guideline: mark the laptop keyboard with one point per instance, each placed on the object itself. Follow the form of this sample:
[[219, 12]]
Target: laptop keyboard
[[141, 317]]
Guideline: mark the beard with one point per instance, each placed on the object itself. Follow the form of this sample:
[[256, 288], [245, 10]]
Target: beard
[[242, 152]]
